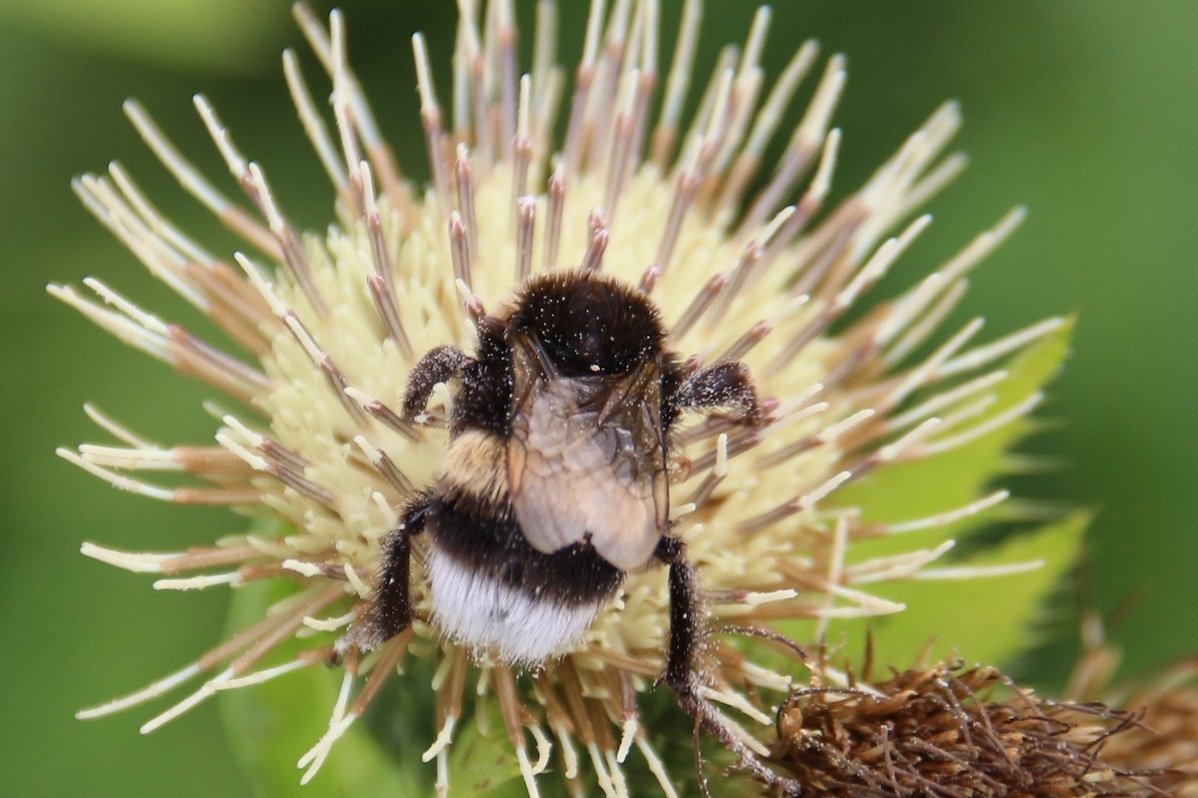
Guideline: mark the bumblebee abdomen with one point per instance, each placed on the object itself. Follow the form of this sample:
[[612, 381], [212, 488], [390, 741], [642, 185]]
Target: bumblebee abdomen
[[481, 611], [492, 591]]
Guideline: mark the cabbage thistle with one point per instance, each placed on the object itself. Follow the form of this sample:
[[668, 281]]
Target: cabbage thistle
[[887, 428]]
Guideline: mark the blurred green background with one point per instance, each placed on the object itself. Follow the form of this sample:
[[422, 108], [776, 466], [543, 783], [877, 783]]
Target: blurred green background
[[1085, 111]]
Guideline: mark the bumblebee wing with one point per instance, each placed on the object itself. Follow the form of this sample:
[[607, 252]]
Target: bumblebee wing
[[586, 462]]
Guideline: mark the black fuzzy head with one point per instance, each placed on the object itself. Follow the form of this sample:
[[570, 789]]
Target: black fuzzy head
[[588, 323]]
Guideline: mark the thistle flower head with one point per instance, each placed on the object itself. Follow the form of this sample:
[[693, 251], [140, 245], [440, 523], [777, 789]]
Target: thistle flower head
[[746, 260]]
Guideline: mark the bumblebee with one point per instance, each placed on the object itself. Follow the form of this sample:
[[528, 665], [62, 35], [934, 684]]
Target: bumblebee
[[555, 484]]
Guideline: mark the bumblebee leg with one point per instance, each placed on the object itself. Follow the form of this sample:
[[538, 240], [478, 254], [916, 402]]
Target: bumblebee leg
[[439, 364], [686, 635], [391, 607], [725, 384]]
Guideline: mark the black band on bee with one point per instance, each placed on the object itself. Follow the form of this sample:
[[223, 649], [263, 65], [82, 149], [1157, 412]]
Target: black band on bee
[[484, 538]]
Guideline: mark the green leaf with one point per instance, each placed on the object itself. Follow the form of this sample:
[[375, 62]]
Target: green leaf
[[483, 763], [987, 619], [272, 724], [922, 488]]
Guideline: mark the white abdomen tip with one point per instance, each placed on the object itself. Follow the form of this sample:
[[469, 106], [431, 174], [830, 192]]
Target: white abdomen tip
[[476, 610]]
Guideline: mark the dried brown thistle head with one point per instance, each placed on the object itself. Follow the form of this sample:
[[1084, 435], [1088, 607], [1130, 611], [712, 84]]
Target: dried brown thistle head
[[951, 731], [1166, 705], [1167, 735]]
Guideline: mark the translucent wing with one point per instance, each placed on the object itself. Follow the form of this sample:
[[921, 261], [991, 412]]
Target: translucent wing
[[586, 461]]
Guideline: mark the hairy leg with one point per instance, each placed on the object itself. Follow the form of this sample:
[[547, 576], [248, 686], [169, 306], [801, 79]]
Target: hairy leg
[[390, 610], [686, 634], [439, 364], [726, 384]]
